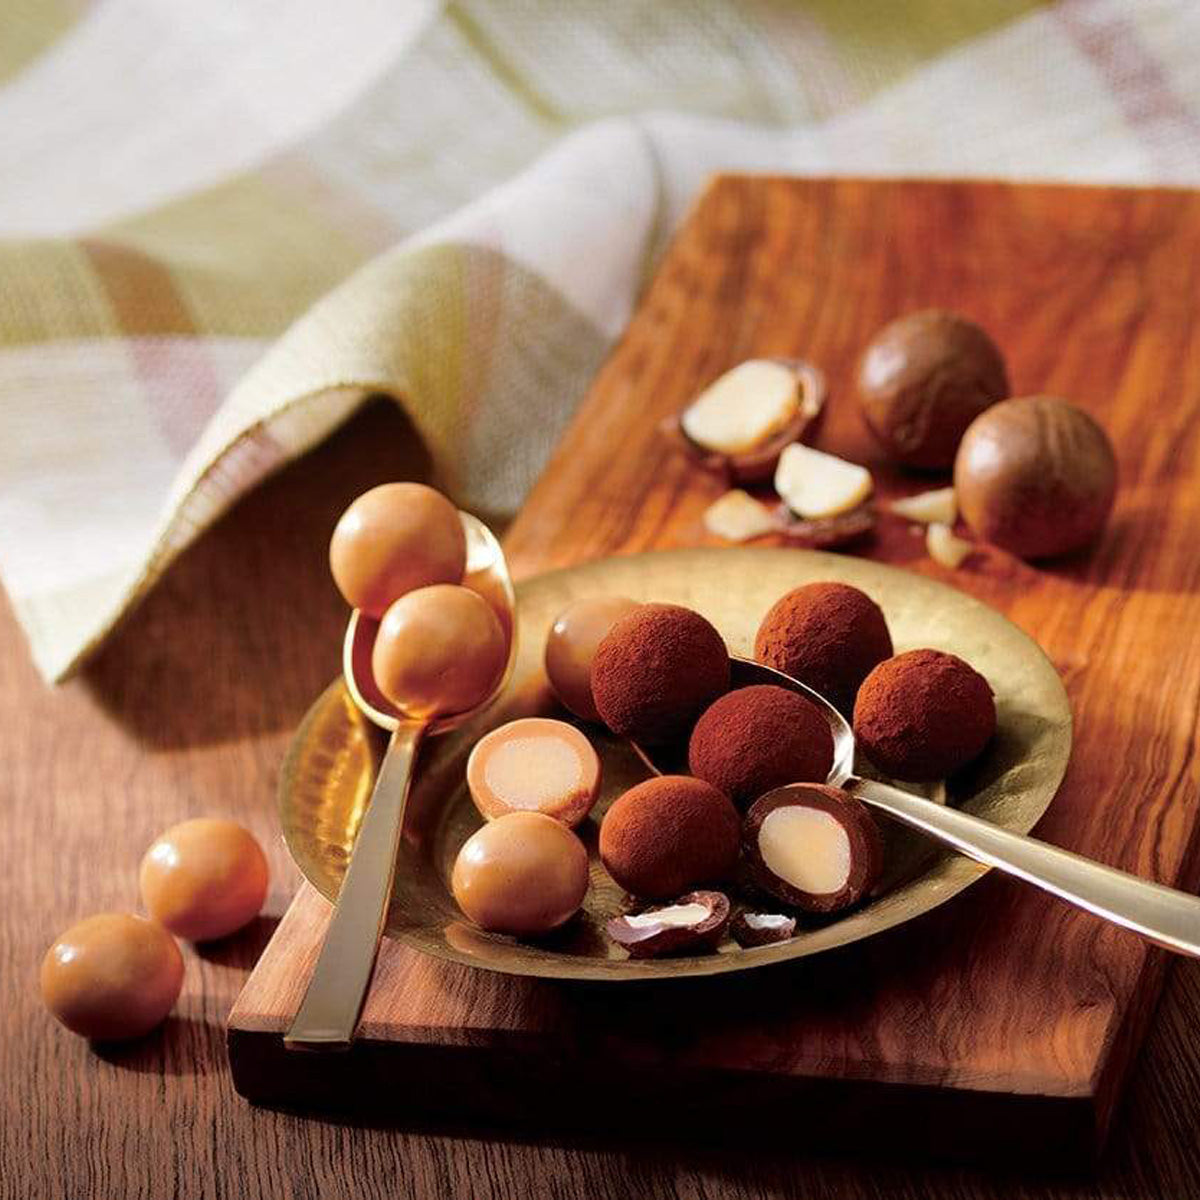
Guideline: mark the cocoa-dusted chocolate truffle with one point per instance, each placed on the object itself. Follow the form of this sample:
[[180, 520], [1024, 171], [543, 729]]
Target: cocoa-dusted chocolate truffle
[[827, 635], [813, 847], [758, 738], [657, 670], [668, 834], [923, 715]]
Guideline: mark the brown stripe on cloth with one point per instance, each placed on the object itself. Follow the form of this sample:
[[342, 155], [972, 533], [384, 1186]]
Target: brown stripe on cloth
[[182, 389], [1143, 91]]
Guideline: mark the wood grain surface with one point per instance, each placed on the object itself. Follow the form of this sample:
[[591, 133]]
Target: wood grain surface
[[189, 709]]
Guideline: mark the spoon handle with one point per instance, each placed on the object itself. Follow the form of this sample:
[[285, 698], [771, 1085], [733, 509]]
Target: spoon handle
[[1160, 914], [329, 1013]]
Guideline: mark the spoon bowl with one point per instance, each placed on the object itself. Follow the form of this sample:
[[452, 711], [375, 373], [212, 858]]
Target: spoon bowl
[[329, 1013]]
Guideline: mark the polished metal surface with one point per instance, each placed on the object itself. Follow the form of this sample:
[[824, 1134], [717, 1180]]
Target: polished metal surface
[[329, 1012], [332, 762]]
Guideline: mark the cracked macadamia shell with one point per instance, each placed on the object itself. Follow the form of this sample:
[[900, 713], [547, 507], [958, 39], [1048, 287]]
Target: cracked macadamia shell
[[1036, 476], [828, 636], [923, 379], [812, 847], [924, 715], [393, 539], [758, 738], [669, 834], [571, 647], [657, 670]]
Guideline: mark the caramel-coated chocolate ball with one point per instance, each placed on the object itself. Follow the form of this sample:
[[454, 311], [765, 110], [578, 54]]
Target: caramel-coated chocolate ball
[[924, 715], [668, 834], [656, 672], [393, 539], [571, 646], [204, 879], [826, 635], [534, 764], [923, 379], [112, 976], [524, 873], [1036, 476], [758, 738], [439, 651]]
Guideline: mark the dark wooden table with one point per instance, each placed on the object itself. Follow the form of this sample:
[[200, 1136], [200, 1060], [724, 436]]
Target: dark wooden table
[[187, 712]]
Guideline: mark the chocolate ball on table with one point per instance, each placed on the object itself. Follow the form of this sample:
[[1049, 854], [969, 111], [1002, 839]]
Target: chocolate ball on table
[[924, 715], [392, 540], [758, 738], [112, 976], [656, 672], [669, 834], [828, 636]]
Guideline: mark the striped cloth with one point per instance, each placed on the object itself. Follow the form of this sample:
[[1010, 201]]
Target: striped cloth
[[223, 223]]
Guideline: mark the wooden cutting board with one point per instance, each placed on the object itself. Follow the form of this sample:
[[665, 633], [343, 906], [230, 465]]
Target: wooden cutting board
[[1003, 1023]]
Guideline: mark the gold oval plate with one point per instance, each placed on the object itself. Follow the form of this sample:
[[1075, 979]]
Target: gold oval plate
[[330, 767]]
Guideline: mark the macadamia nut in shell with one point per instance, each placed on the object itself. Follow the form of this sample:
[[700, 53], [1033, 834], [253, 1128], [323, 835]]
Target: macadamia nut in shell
[[923, 379], [1036, 476]]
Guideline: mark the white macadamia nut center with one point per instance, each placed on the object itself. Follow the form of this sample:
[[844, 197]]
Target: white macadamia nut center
[[772, 921], [738, 517], [807, 848], [676, 916], [743, 408], [533, 772]]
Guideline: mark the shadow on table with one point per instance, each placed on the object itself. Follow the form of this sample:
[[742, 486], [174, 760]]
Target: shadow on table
[[244, 630]]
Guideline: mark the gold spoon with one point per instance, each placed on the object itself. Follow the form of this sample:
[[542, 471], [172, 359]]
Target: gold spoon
[[1162, 915], [329, 1013]]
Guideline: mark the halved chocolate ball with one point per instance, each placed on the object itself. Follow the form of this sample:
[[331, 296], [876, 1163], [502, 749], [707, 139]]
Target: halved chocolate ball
[[692, 924], [813, 847], [657, 670], [924, 715], [828, 636], [751, 929], [758, 738], [668, 834]]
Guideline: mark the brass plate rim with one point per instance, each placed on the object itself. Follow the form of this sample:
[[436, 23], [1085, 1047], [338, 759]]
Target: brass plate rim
[[954, 872]]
